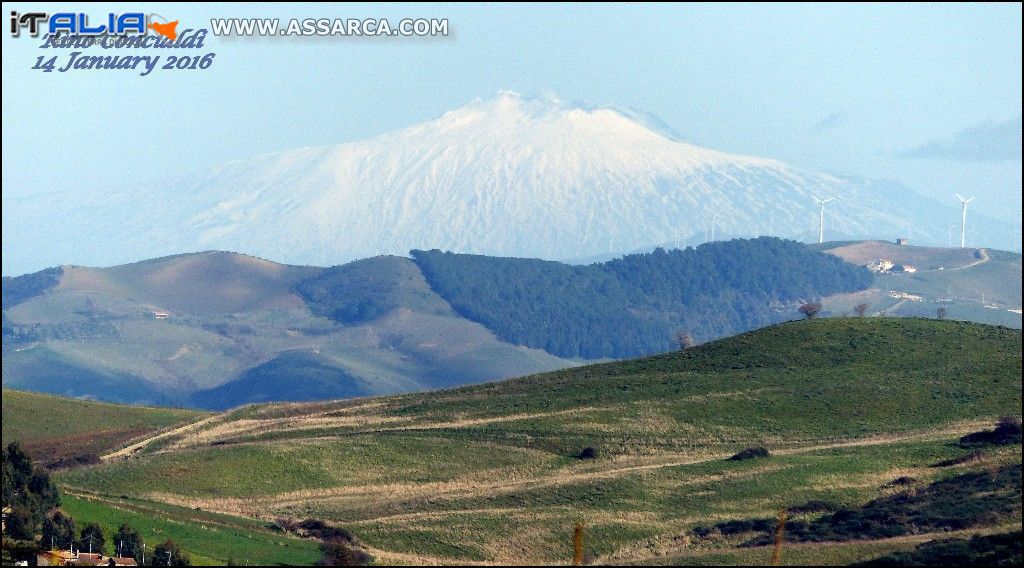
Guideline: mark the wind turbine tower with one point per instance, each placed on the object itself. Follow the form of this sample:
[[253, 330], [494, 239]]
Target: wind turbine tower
[[821, 217], [963, 219]]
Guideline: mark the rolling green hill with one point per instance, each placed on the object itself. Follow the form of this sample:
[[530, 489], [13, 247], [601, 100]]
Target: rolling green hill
[[54, 429], [493, 472]]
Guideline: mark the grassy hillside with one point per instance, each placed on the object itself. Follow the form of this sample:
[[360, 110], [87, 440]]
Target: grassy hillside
[[204, 283], [209, 539], [53, 428], [292, 375], [20, 289], [367, 289], [493, 473], [923, 258], [43, 369], [233, 329], [980, 285]]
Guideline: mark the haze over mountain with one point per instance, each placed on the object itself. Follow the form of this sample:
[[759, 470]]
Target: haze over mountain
[[508, 176]]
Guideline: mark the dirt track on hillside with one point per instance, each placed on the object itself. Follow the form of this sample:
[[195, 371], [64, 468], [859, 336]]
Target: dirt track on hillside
[[381, 493]]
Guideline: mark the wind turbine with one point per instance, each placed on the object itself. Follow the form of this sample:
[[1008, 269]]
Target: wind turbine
[[821, 217], [963, 219]]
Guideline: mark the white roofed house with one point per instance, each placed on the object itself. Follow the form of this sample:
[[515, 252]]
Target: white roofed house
[[881, 265]]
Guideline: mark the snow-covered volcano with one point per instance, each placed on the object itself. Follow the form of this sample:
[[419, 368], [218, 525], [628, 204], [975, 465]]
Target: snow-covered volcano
[[509, 176]]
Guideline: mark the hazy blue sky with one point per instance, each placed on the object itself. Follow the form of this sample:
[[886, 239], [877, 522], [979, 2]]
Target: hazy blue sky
[[927, 95]]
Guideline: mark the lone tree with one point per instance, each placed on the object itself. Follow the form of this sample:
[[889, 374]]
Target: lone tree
[[810, 309], [128, 543], [92, 539], [941, 313], [685, 339], [59, 531], [861, 309], [168, 554]]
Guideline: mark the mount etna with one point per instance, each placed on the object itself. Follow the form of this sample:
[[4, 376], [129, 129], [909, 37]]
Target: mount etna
[[505, 176]]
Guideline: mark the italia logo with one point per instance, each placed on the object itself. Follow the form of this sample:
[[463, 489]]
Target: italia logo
[[79, 23]]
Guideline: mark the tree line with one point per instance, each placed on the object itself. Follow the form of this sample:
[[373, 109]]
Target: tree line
[[636, 304], [34, 523]]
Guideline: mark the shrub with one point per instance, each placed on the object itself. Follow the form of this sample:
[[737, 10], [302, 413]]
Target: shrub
[[980, 550], [343, 553], [685, 339], [1006, 432], [1009, 427], [750, 453], [588, 453], [971, 457], [314, 528], [322, 531], [814, 506], [965, 501], [75, 461], [902, 482], [810, 309]]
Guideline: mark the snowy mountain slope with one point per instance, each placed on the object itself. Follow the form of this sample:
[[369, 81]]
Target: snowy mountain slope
[[510, 176]]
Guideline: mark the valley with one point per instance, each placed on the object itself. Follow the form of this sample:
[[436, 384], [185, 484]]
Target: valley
[[493, 473]]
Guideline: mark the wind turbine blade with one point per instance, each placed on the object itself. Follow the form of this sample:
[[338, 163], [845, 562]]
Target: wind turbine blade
[[960, 197]]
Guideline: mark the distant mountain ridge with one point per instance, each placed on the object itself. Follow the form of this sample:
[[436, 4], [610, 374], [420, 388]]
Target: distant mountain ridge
[[632, 305], [505, 176], [218, 329]]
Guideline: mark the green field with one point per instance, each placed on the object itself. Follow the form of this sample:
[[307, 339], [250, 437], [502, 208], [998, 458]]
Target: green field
[[209, 539], [489, 473], [52, 428]]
